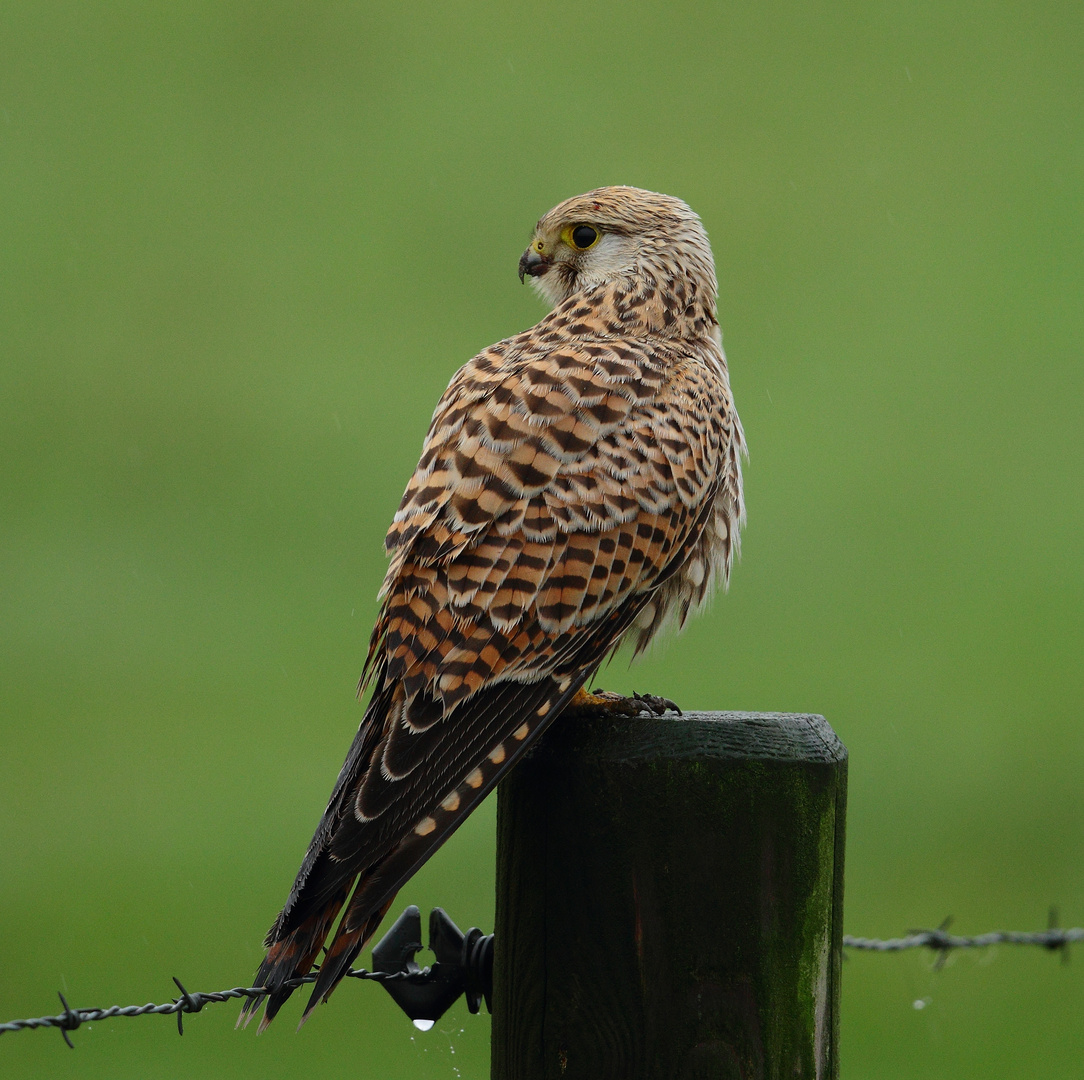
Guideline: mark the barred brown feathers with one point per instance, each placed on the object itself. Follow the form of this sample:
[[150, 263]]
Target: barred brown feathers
[[580, 482]]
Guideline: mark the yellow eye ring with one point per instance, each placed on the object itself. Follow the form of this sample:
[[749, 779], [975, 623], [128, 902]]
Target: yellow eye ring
[[580, 237]]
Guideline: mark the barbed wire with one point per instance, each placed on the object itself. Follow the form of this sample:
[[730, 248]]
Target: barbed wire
[[940, 941], [70, 1018]]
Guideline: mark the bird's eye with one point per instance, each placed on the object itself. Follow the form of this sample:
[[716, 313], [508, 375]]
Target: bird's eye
[[581, 237]]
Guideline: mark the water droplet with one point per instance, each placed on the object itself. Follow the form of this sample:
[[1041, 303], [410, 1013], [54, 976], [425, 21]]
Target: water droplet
[[424, 1025], [921, 1003]]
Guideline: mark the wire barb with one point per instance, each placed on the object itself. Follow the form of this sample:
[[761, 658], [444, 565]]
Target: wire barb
[[69, 1021]]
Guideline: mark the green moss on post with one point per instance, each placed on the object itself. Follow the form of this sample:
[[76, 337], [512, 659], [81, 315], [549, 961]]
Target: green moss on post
[[670, 901]]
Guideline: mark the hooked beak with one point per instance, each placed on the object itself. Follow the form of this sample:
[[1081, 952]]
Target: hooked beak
[[531, 264]]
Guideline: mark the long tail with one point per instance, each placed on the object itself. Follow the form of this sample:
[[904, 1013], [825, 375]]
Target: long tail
[[400, 794]]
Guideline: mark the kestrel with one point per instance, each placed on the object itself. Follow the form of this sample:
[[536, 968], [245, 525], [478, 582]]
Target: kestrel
[[580, 483]]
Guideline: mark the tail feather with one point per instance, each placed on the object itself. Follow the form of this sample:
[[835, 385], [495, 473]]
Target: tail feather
[[348, 942], [289, 959]]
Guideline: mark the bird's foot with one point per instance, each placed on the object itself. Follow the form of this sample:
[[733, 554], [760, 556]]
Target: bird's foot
[[606, 703]]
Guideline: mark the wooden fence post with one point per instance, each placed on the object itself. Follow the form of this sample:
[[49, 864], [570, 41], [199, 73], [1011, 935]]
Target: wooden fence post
[[670, 901]]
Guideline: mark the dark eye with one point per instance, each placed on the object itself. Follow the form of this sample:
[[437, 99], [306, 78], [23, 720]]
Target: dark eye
[[583, 236]]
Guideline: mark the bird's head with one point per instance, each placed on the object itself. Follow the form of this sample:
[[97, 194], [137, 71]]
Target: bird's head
[[613, 233]]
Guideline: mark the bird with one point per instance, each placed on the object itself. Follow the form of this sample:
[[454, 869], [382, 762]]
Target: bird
[[580, 485]]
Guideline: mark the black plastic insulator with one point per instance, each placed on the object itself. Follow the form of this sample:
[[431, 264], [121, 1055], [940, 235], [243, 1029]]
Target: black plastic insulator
[[464, 965]]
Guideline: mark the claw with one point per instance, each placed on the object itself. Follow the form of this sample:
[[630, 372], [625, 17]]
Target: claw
[[656, 706]]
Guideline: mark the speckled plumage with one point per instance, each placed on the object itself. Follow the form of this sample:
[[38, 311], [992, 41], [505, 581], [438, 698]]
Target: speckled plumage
[[580, 483]]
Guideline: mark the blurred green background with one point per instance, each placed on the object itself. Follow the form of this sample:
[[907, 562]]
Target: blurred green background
[[243, 247]]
